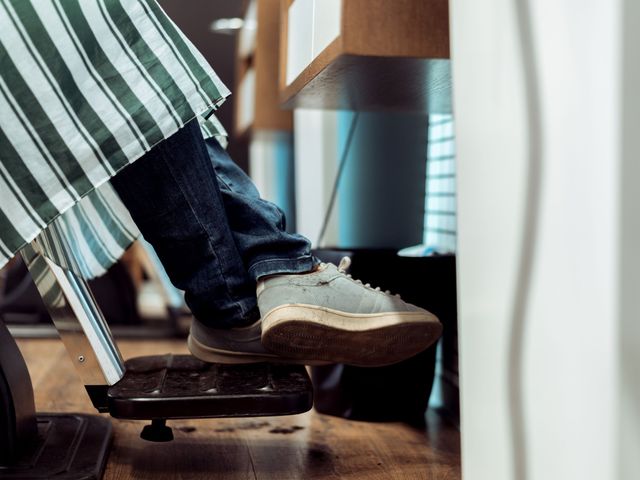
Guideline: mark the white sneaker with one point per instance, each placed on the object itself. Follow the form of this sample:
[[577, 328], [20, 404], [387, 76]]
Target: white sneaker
[[326, 315]]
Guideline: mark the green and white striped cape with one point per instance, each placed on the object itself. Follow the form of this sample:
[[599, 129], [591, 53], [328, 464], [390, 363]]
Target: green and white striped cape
[[86, 88]]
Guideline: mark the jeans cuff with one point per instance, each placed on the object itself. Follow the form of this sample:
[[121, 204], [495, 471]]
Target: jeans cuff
[[273, 266]]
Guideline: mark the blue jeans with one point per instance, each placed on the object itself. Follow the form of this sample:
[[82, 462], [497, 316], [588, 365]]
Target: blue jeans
[[213, 233]]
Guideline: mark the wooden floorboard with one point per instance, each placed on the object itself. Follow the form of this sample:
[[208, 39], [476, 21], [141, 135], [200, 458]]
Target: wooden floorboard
[[307, 446]]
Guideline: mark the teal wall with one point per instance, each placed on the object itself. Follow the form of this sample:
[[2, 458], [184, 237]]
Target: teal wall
[[381, 195]]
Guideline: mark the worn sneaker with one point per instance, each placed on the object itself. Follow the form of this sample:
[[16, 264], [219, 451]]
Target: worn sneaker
[[326, 315], [234, 346]]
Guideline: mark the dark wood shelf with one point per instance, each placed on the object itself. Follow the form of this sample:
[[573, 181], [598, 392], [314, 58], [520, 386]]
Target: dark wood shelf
[[388, 56]]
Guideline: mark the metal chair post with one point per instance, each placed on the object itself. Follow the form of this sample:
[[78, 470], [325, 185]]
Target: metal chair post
[[74, 311]]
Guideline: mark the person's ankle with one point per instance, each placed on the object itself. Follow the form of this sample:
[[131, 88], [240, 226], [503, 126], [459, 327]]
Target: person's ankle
[[313, 269]]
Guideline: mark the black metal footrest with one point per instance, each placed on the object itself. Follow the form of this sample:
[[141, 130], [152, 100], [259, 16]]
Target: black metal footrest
[[68, 446], [181, 386]]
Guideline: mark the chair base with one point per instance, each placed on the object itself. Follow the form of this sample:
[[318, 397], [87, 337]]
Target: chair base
[[67, 447]]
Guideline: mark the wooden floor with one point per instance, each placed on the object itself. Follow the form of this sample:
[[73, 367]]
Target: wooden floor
[[308, 446]]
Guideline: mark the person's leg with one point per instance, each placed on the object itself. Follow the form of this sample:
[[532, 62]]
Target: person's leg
[[258, 229], [258, 226], [173, 195], [305, 314], [320, 316]]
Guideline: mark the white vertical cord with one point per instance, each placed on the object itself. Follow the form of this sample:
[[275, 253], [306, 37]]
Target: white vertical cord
[[528, 246], [338, 177]]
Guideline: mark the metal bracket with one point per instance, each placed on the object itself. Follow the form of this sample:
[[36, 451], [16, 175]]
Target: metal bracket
[[76, 315]]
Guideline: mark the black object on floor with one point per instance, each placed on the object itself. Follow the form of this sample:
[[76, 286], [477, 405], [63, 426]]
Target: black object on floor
[[67, 447], [157, 431], [181, 386], [397, 392], [44, 446]]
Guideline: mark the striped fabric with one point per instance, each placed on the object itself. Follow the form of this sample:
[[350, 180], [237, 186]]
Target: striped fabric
[[98, 229], [211, 127], [87, 87], [50, 289]]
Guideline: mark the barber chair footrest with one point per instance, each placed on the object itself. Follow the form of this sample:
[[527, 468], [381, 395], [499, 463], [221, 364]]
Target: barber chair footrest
[[181, 386]]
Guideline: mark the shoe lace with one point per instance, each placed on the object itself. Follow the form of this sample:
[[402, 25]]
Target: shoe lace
[[344, 265]]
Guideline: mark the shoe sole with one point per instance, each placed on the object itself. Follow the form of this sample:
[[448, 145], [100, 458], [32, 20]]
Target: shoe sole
[[215, 355], [364, 340]]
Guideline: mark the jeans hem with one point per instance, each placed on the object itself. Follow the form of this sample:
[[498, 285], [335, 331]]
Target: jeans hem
[[273, 266]]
